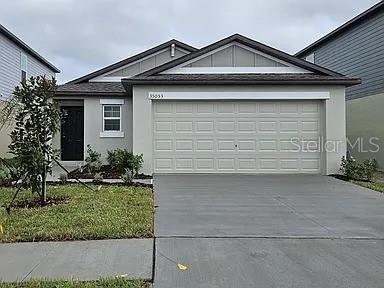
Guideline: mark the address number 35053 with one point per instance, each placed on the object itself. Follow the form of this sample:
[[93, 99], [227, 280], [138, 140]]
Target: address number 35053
[[156, 96]]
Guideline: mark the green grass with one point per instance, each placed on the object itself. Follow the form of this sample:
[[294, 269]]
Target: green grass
[[102, 283], [112, 212], [371, 185]]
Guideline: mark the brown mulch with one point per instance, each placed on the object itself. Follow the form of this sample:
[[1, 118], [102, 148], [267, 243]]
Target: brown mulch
[[107, 171], [36, 203]]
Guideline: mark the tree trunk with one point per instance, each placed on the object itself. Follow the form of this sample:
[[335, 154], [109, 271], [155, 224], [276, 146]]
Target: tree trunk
[[44, 186]]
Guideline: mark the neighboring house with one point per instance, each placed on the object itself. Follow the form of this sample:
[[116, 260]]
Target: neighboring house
[[234, 106], [17, 62], [357, 49]]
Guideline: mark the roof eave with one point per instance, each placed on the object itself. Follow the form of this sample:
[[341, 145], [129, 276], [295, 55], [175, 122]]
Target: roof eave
[[349, 24], [12, 37], [343, 82], [87, 93], [246, 41], [131, 59]]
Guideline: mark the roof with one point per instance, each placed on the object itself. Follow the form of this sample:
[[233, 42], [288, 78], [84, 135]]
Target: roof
[[132, 59], [248, 42], [379, 7], [245, 79], [26, 48], [92, 88]]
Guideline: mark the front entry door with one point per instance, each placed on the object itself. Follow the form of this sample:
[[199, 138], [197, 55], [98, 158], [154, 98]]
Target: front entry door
[[72, 133]]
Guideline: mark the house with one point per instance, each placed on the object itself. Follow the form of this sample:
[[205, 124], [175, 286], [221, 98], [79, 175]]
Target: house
[[18, 62], [234, 106], [357, 49]]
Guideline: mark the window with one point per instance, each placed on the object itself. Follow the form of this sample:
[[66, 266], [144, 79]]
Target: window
[[112, 118], [310, 58], [23, 67]]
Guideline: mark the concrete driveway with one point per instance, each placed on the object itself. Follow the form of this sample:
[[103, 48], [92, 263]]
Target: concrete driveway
[[267, 231]]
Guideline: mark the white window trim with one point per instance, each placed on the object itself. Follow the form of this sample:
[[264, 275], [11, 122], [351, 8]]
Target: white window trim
[[310, 58], [109, 133], [23, 55], [112, 101]]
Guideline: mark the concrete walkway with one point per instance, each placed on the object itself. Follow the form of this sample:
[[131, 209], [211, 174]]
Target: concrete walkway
[[83, 260]]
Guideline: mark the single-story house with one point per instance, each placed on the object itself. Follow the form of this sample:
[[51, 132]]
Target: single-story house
[[234, 106]]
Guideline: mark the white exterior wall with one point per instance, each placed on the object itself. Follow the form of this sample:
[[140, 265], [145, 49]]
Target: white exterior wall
[[333, 109]]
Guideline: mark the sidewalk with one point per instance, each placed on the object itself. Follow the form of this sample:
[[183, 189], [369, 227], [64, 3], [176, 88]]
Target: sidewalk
[[83, 260]]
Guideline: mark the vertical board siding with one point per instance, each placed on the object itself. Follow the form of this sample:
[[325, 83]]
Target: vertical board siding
[[10, 71], [358, 52], [148, 63]]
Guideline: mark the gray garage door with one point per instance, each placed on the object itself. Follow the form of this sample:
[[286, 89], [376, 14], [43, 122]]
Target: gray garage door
[[236, 137]]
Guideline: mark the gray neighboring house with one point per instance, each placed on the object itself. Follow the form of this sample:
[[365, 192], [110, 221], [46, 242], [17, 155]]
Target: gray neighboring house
[[234, 106], [18, 61], [357, 49]]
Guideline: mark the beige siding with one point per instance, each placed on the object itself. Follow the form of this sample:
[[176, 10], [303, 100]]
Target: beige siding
[[365, 119]]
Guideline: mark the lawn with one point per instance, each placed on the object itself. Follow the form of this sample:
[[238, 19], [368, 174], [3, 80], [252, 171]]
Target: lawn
[[109, 213], [371, 185], [109, 283]]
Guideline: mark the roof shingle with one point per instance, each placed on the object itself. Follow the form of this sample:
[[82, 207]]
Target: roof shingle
[[245, 79], [115, 88]]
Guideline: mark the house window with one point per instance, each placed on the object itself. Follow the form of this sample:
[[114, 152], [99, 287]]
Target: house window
[[23, 67], [112, 118], [310, 58]]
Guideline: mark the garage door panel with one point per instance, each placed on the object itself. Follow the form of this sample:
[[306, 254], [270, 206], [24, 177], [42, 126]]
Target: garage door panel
[[244, 136], [184, 126]]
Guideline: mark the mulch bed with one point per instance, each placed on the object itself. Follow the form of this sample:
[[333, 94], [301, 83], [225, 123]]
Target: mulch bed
[[347, 179], [133, 184], [36, 203], [107, 171]]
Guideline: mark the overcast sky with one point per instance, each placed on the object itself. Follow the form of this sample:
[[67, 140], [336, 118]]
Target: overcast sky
[[80, 36]]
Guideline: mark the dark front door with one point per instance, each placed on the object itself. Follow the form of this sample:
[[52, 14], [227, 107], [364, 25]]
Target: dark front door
[[72, 133]]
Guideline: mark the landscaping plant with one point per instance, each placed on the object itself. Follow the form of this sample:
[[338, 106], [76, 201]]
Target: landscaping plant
[[355, 170], [127, 177], [122, 159], [36, 118], [93, 160], [5, 175]]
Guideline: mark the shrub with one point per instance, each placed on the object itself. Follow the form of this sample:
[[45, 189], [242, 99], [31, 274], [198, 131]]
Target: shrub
[[93, 160], [63, 177], [98, 178], [127, 176], [370, 168], [122, 159], [5, 175], [353, 169]]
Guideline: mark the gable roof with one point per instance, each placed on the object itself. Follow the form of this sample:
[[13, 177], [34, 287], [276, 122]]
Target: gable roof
[[245, 41], [132, 59], [379, 7], [12, 37]]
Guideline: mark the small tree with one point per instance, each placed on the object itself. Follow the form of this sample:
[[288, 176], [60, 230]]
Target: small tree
[[37, 119]]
